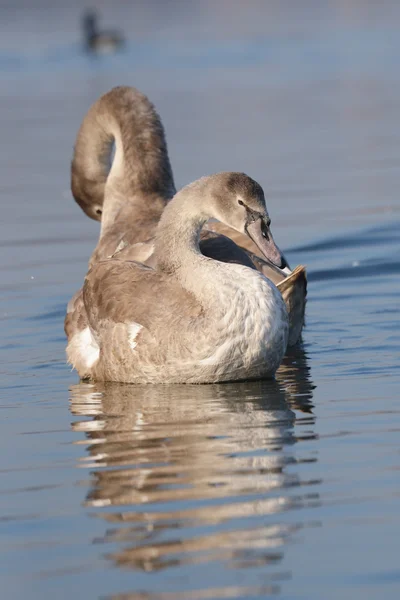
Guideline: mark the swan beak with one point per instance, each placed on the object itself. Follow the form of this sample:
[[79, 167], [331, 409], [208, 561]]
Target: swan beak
[[260, 233]]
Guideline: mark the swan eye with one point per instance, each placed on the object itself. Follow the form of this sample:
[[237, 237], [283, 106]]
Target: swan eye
[[241, 203], [99, 211]]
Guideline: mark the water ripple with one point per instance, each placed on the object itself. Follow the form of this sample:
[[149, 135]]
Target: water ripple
[[205, 466]]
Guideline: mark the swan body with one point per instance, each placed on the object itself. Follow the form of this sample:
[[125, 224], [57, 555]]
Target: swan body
[[292, 285], [192, 319]]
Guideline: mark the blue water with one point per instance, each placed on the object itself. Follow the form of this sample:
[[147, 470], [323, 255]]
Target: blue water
[[252, 490]]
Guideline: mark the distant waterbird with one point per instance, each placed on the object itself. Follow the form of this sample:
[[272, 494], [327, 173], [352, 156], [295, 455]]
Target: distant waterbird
[[98, 41]]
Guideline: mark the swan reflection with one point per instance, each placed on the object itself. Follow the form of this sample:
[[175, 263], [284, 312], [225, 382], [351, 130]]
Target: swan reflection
[[193, 474]]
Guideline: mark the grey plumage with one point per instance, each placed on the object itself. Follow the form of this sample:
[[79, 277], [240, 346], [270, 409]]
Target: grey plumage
[[129, 194], [192, 319]]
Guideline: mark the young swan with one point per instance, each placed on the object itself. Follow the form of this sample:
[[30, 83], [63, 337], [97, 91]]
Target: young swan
[[192, 319], [128, 194]]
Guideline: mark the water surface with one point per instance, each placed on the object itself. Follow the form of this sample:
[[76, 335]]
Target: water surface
[[253, 490]]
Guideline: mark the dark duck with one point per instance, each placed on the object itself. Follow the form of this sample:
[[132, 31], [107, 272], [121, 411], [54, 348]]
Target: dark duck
[[100, 41]]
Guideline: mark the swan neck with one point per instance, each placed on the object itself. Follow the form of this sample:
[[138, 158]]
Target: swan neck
[[177, 238], [123, 119]]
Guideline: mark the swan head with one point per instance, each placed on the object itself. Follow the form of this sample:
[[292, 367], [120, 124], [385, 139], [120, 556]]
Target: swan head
[[240, 203]]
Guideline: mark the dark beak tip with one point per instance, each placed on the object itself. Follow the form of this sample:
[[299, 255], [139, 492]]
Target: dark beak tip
[[283, 264]]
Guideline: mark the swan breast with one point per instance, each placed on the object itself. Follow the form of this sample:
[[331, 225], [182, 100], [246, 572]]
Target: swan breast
[[253, 328]]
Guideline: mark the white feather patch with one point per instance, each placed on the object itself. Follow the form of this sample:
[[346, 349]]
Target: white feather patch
[[133, 331], [87, 347]]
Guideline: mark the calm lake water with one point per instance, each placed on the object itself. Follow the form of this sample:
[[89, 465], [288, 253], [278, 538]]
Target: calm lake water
[[287, 488]]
